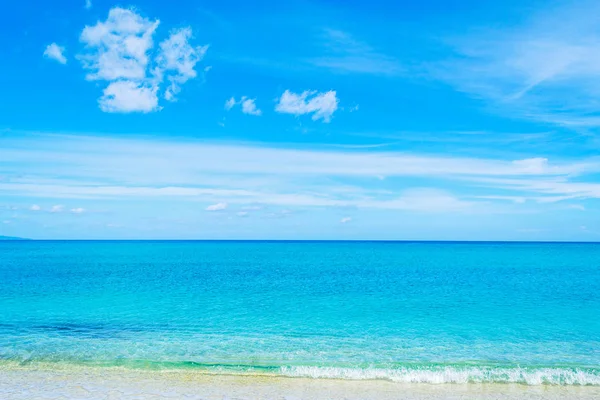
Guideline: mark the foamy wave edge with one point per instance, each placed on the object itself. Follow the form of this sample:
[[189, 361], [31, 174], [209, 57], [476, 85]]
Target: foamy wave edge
[[427, 374], [449, 374]]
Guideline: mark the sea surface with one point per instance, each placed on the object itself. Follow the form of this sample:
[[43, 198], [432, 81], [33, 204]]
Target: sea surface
[[525, 313]]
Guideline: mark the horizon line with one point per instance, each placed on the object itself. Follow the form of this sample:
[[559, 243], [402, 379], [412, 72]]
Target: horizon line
[[19, 239]]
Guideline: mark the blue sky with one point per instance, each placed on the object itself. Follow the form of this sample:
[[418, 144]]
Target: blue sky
[[431, 120]]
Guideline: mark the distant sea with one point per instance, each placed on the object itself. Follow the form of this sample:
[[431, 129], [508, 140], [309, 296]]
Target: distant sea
[[526, 313]]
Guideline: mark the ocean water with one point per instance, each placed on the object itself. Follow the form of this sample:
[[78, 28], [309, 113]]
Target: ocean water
[[525, 313]]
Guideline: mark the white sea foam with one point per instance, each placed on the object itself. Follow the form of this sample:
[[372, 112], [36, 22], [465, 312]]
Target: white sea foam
[[451, 374]]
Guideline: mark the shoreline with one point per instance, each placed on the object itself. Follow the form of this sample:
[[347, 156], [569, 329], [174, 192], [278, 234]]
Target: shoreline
[[434, 374], [28, 382]]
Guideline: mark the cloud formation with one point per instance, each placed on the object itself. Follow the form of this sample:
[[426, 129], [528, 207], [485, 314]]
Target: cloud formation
[[320, 105], [252, 176], [345, 220], [55, 52], [217, 207], [230, 103], [543, 69], [177, 60], [129, 96], [248, 105], [118, 50], [118, 47]]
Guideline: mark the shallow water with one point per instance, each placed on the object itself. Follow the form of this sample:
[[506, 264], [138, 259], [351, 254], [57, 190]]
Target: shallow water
[[402, 312]]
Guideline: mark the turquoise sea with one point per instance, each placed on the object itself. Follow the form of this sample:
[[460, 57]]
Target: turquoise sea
[[402, 311]]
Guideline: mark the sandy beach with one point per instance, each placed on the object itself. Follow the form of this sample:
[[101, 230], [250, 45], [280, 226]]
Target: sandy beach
[[20, 383]]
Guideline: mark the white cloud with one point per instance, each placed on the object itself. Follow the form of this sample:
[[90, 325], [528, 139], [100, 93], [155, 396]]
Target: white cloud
[[345, 220], [35, 207], [242, 214], [217, 207], [157, 162], [579, 207], [251, 176], [55, 52], [88, 4], [78, 210], [177, 60], [229, 104], [118, 48], [129, 96], [248, 105], [57, 209], [118, 51], [320, 105]]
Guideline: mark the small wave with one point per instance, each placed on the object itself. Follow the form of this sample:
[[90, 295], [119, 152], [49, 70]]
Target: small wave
[[454, 374], [413, 373]]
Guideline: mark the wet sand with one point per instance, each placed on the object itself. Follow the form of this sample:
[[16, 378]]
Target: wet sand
[[112, 383]]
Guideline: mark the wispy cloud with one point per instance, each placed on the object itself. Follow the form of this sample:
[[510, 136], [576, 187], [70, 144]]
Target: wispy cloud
[[251, 176], [345, 220], [320, 105], [145, 159], [88, 4], [57, 209], [55, 52], [544, 69], [35, 207], [346, 54], [551, 189]]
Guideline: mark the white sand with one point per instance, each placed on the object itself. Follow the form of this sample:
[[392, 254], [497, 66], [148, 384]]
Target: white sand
[[97, 383]]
